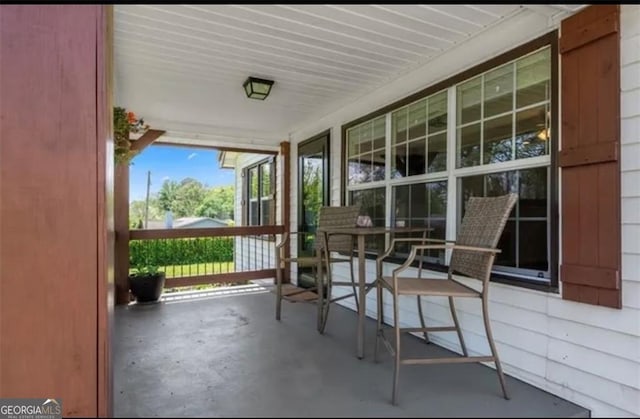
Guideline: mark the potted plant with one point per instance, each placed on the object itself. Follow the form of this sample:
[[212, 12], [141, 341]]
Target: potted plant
[[125, 123], [146, 283]]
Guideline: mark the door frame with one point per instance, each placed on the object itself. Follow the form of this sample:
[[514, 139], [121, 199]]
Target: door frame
[[326, 168]]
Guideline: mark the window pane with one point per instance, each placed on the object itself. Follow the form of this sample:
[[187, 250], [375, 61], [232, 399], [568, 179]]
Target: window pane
[[353, 141], [265, 213], [532, 132], [366, 137], [418, 205], [437, 152], [417, 120], [254, 219], [438, 113], [378, 133], [524, 242], [533, 245], [497, 139], [265, 173], [372, 203], [533, 192], [469, 101], [253, 182], [498, 91], [507, 244], [398, 161], [399, 126], [533, 78], [378, 169], [354, 170], [416, 157], [469, 146]]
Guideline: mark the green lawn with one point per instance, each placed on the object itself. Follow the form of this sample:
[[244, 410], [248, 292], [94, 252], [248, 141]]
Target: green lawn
[[195, 269]]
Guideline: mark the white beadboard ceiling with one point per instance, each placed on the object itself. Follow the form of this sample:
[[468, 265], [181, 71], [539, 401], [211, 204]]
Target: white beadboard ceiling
[[181, 67]]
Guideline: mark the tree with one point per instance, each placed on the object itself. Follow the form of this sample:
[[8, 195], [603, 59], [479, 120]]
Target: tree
[[168, 195], [218, 203], [137, 211], [189, 197]]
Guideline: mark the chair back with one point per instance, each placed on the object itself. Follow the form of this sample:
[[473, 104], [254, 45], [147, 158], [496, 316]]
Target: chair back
[[337, 217], [481, 226]]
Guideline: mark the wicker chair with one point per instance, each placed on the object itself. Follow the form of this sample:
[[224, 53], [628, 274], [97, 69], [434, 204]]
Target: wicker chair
[[320, 261], [473, 255]]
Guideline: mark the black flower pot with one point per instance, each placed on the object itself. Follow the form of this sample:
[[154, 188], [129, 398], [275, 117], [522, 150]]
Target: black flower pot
[[147, 288]]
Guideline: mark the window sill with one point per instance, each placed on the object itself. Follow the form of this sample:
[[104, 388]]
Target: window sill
[[496, 278]]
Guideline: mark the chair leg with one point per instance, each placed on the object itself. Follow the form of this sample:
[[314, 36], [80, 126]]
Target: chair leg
[[379, 315], [494, 352], [353, 285], [422, 322], [320, 291], [278, 291], [396, 363], [452, 307], [327, 300]]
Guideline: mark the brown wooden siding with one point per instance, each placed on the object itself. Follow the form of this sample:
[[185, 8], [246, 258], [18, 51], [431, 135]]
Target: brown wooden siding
[[589, 157]]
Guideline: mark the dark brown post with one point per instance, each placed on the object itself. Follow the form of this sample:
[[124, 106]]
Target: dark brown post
[[55, 219], [285, 151], [121, 213]]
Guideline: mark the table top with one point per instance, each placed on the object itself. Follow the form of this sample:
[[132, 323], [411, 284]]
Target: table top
[[370, 231]]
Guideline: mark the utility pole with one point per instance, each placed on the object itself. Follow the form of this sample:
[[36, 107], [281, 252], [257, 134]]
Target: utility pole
[[146, 205]]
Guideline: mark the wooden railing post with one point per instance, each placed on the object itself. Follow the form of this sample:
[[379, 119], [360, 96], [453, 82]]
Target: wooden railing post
[[121, 223], [285, 151]]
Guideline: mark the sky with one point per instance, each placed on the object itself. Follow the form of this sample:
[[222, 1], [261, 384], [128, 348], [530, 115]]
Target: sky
[[175, 163]]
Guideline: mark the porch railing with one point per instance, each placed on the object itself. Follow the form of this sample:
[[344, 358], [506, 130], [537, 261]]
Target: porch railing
[[199, 256]]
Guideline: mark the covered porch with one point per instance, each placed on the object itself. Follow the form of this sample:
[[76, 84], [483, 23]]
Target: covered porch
[[222, 354]]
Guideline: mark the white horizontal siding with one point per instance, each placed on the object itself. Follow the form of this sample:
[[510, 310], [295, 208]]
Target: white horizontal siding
[[587, 354]]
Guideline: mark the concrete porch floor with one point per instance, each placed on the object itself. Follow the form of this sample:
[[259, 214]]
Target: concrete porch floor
[[225, 355]]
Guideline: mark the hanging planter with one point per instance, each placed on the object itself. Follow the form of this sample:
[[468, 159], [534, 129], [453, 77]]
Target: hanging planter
[[124, 124]]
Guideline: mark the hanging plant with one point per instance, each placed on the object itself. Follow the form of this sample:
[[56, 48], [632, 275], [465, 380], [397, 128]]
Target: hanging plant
[[125, 123]]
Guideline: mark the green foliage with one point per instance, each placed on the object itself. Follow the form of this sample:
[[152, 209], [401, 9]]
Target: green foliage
[[168, 195], [189, 196], [124, 123], [144, 264], [218, 203], [164, 252]]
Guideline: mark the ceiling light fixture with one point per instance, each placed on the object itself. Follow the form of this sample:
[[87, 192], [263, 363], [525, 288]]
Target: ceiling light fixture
[[256, 88]]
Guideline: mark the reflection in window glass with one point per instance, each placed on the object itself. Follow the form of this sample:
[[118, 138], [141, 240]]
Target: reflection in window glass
[[422, 205], [490, 99], [469, 101], [533, 78], [365, 148], [498, 91], [497, 145], [525, 241], [533, 132], [469, 145], [372, 204], [260, 190]]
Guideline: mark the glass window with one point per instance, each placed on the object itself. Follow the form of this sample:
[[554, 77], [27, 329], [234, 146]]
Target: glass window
[[487, 112], [501, 138], [372, 204], [525, 240], [260, 194], [422, 205]]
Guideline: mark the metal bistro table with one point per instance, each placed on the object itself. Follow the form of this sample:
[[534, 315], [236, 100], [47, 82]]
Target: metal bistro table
[[363, 288]]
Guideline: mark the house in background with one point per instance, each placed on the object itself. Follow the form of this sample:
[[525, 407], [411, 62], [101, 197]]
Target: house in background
[[188, 222], [406, 110]]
